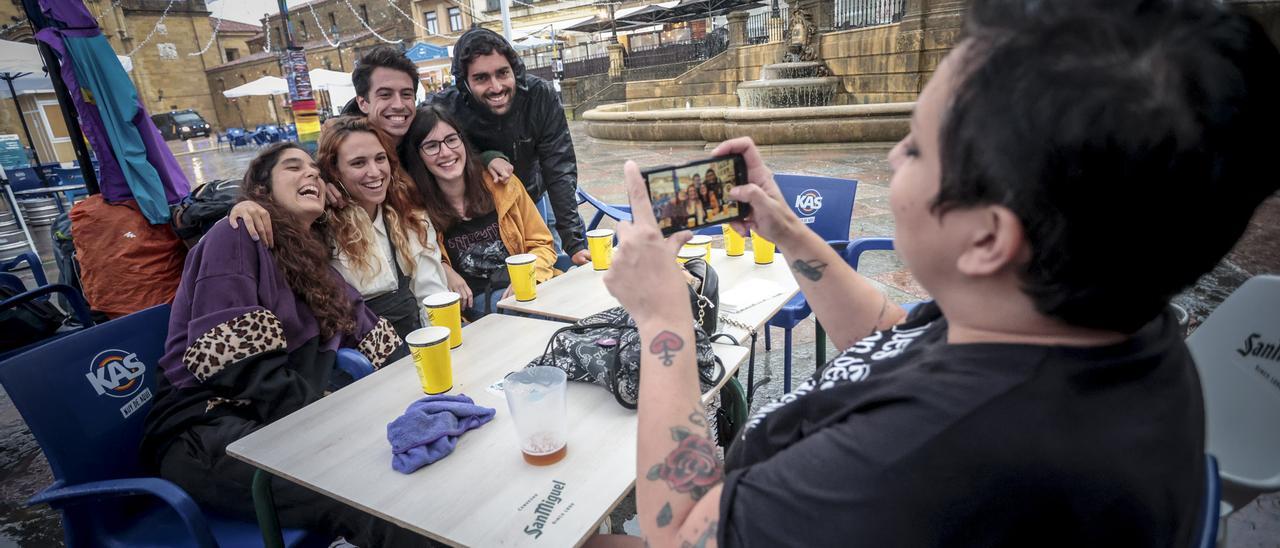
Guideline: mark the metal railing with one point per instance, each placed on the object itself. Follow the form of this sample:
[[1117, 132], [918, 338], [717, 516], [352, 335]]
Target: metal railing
[[852, 14], [760, 25], [541, 72], [583, 59], [684, 51], [587, 66]]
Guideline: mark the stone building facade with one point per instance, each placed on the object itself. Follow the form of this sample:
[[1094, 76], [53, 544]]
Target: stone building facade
[[173, 50], [233, 38]]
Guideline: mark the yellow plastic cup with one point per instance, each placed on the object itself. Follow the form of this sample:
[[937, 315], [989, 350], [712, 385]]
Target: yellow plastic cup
[[445, 310], [430, 349], [703, 242], [734, 244], [520, 267], [600, 244], [687, 253], [762, 249]]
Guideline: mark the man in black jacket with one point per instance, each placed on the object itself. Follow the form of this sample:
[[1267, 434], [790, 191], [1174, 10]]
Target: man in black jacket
[[503, 109]]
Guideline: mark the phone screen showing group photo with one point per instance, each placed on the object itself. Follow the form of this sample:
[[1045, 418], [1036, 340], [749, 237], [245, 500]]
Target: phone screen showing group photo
[[696, 195]]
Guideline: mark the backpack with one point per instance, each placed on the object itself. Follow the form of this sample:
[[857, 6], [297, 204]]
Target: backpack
[[205, 207], [29, 322]]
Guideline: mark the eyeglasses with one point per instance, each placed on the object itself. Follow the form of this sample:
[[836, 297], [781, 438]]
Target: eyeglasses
[[432, 148]]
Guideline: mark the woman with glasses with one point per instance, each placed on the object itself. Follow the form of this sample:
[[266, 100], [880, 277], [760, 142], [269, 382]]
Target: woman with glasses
[[483, 222]]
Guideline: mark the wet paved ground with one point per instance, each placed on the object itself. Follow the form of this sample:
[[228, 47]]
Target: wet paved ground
[[23, 471]]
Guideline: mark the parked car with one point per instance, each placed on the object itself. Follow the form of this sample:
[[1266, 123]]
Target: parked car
[[181, 124]]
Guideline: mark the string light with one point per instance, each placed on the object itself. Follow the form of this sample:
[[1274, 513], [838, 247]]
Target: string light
[[154, 29], [366, 24], [267, 32], [216, 25], [103, 13], [311, 6]]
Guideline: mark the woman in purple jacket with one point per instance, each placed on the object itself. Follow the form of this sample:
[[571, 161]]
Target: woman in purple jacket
[[253, 336]]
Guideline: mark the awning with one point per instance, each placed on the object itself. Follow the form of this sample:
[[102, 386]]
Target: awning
[[544, 29], [601, 23], [425, 52], [267, 85], [675, 11]]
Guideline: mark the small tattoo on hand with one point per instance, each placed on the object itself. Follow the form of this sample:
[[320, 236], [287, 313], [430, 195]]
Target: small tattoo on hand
[[665, 345], [809, 269]]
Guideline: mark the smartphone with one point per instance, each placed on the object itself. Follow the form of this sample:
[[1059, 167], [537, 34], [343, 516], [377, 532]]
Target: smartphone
[[696, 194]]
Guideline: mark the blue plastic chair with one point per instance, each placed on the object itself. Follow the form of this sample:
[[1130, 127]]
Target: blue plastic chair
[[615, 212], [354, 363], [70, 176], [85, 398], [24, 178], [826, 205], [79, 310], [1207, 529], [33, 263], [237, 137]]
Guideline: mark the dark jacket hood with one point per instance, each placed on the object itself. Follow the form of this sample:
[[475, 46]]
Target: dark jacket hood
[[460, 72], [352, 109]]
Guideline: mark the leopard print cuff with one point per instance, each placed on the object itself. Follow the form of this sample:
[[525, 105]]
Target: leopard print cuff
[[379, 343], [239, 338]]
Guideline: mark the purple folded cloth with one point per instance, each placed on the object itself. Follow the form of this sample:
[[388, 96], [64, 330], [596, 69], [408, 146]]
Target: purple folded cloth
[[429, 429]]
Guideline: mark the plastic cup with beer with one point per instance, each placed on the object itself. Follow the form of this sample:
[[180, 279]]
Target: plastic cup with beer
[[761, 248], [430, 349], [520, 267], [536, 398], [703, 242], [600, 244], [445, 310], [687, 253], [734, 244]]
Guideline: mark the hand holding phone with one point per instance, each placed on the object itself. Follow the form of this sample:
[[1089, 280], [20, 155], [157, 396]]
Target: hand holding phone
[[696, 194]]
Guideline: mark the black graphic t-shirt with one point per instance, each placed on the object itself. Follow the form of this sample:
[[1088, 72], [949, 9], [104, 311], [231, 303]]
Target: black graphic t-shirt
[[476, 250], [906, 440]]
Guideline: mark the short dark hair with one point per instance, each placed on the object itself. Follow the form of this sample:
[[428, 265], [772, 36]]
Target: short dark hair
[[1131, 138], [485, 43], [385, 57]]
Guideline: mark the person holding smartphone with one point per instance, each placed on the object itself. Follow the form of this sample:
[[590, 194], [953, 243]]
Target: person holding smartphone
[[1046, 395]]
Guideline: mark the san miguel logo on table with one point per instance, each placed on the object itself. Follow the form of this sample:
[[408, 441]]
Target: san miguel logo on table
[[119, 374], [1257, 346], [542, 513], [808, 203]]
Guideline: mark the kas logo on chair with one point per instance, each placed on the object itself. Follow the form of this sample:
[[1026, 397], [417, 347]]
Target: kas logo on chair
[[116, 373], [808, 203]]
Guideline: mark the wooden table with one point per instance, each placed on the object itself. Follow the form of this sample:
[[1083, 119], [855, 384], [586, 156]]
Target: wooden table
[[484, 494], [580, 292]]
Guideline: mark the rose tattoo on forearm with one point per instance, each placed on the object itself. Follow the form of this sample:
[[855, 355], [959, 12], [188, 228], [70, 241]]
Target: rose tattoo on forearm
[[692, 467]]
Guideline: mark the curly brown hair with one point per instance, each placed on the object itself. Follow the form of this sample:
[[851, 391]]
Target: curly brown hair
[[352, 229], [301, 252]]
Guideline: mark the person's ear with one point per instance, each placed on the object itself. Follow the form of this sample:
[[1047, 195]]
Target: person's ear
[[994, 240], [363, 104]]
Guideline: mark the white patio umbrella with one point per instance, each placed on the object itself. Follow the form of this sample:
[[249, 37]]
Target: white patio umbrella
[[324, 79], [267, 85]]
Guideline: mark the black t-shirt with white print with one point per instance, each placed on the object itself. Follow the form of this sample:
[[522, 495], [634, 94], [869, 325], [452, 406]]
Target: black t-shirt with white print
[[906, 440]]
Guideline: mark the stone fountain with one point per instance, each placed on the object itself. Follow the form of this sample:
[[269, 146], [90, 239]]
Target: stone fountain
[[801, 80], [793, 102]]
